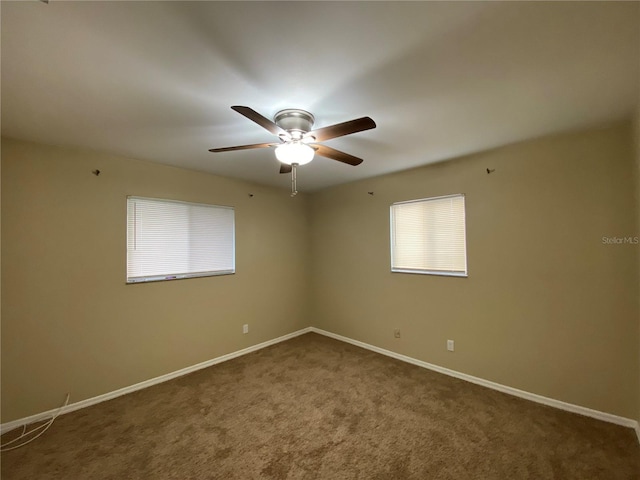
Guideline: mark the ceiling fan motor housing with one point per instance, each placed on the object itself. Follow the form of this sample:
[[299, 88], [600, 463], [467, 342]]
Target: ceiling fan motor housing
[[296, 122]]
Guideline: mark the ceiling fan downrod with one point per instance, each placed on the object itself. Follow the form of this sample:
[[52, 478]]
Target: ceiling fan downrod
[[294, 181]]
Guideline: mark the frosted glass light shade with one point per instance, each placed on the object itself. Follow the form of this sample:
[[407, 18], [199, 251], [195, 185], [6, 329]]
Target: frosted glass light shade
[[294, 152]]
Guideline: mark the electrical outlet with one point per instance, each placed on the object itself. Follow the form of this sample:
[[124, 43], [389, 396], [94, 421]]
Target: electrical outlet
[[396, 333], [450, 345], [245, 328]]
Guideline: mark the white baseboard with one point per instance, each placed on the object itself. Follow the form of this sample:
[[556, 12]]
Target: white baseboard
[[6, 427], [607, 417]]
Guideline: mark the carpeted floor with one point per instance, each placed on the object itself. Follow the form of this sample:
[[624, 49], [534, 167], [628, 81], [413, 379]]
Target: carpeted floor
[[317, 408]]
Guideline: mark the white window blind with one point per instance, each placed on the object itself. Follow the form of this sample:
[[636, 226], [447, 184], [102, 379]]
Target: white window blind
[[167, 240], [428, 236]]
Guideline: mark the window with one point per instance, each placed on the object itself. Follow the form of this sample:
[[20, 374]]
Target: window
[[428, 236], [167, 240]]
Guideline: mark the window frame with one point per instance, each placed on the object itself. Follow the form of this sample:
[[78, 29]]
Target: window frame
[[183, 275], [444, 273]]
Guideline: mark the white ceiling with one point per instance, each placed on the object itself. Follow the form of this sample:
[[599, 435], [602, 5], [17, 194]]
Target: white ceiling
[[155, 80]]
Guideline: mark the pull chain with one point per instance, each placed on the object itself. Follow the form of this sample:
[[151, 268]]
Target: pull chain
[[294, 181]]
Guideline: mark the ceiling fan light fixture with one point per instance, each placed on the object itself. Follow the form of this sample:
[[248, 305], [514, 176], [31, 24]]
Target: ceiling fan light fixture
[[294, 152]]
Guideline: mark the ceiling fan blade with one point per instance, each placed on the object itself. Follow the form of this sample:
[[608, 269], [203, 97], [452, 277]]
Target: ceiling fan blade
[[341, 129], [284, 168], [334, 154], [243, 147], [264, 122]]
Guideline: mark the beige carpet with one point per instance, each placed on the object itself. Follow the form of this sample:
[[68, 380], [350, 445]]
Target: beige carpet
[[316, 408]]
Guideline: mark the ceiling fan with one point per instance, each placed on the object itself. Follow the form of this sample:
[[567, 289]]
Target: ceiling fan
[[298, 143]]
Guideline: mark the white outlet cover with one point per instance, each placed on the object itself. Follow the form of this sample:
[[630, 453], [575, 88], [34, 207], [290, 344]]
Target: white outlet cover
[[450, 345]]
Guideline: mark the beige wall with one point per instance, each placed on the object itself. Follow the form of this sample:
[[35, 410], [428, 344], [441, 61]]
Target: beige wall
[[547, 308], [69, 322], [637, 231]]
